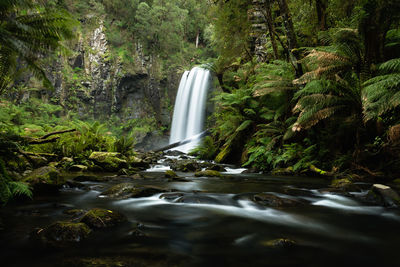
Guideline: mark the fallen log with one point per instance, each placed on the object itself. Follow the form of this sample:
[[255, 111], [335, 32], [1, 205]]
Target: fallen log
[[184, 142]]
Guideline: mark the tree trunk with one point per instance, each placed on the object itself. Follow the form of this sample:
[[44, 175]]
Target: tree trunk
[[271, 28], [288, 24], [321, 6], [291, 36]]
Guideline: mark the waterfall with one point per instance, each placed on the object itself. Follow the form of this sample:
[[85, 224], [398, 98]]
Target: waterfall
[[189, 111]]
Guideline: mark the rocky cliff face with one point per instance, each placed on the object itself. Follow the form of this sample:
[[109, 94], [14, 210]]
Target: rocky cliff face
[[96, 83]]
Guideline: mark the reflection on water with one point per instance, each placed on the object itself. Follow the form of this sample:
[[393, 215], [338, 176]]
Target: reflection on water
[[215, 222]]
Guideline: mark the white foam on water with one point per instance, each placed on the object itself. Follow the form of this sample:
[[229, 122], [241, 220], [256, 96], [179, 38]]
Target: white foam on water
[[159, 168], [234, 171]]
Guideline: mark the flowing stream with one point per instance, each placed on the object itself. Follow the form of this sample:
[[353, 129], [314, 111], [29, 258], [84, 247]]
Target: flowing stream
[[211, 222]]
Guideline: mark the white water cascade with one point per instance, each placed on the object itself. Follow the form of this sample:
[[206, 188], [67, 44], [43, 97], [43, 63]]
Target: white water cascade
[[189, 111]]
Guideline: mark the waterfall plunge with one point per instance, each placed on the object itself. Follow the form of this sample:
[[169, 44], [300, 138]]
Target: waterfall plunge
[[189, 111]]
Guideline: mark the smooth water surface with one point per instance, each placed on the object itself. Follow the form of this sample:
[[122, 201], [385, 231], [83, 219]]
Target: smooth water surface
[[211, 222]]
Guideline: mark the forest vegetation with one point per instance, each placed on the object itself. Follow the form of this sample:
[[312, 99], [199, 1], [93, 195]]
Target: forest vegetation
[[303, 87]]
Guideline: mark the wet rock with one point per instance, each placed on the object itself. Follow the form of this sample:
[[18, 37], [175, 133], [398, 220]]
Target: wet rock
[[109, 161], [208, 173], [139, 162], [78, 168], [38, 161], [62, 234], [128, 190], [271, 200], [171, 196], [95, 168], [170, 174], [45, 180], [384, 195], [102, 218], [280, 243], [174, 153], [216, 167], [185, 165], [344, 184]]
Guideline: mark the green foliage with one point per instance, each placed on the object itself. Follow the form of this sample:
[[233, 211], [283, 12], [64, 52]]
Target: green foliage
[[29, 29], [124, 145], [9, 188], [382, 93], [206, 150]]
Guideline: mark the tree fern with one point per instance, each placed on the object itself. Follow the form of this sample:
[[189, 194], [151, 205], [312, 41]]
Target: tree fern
[[29, 30], [382, 93]]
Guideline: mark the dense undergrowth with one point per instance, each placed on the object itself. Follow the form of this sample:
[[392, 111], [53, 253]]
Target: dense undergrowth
[[325, 101]]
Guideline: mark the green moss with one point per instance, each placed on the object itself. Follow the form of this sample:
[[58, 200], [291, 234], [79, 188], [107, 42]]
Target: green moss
[[221, 157], [170, 174], [45, 175], [340, 183], [208, 173], [109, 161], [101, 218], [62, 234]]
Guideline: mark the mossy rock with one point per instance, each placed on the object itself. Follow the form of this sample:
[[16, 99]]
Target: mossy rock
[[216, 167], [128, 190], [102, 218], [208, 173], [109, 161], [45, 179], [170, 174], [186, 166], [78, 168], [62, 234], [383, 195], [223, 155], [138, 162], [283, 171], [344, 184], [280, 243]]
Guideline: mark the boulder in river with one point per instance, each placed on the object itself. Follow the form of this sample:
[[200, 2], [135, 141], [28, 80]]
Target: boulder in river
[[45, 180], [384, 195], [185, 165], [170, 174], [216, 167], [271, 200], [129, 190], [62, 234], [102, 218], [109, 161]]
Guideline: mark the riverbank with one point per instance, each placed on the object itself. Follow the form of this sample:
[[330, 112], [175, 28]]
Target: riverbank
[[172, 213]]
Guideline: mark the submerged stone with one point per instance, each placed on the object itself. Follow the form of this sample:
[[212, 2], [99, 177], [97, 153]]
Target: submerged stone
[[128, 190], [271, 200], [102, 218], [216, 167], [62, 234]]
